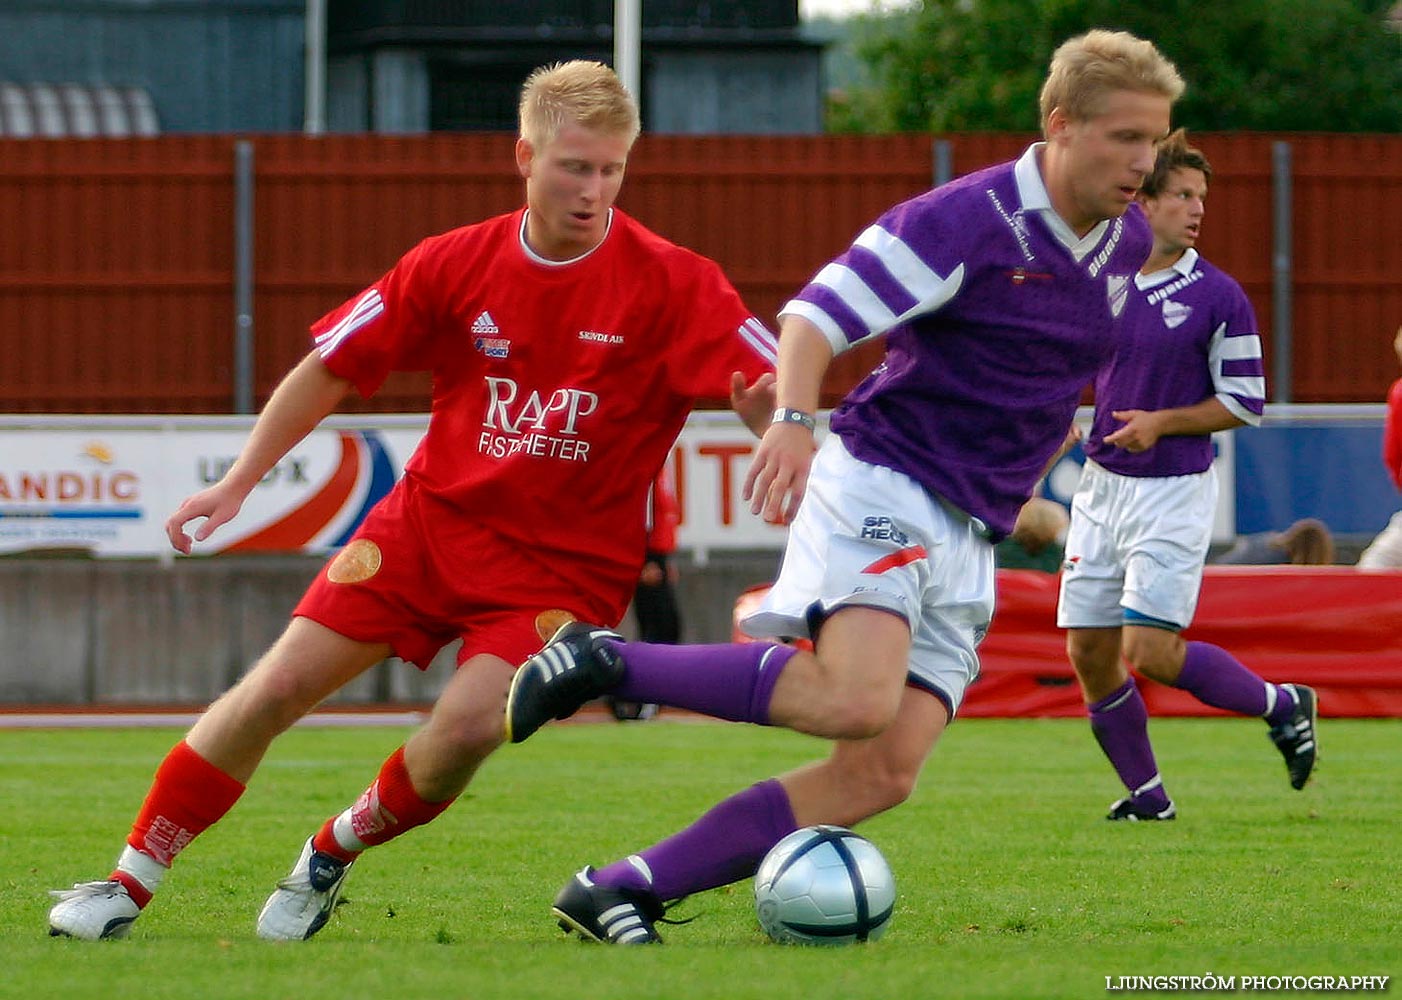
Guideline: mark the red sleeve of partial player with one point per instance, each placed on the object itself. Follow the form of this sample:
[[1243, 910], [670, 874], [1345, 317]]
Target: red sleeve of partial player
[[1392, 433], [388, 327], [662, 531], [720, 335]]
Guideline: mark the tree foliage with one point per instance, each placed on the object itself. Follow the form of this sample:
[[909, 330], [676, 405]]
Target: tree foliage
[[1271, 65]]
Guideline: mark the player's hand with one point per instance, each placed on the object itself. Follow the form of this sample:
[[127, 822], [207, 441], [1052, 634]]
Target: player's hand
[[1139, 433], [1073, 438], [778, 474], [754, 404], [217, 505], [652, 574]]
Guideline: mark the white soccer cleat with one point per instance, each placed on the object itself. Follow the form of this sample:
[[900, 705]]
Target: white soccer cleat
[[93, 911], [303, 902]]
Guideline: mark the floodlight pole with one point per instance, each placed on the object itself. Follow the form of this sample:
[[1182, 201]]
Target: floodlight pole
[[1282, 274], [314, 115], [244, 346], [628, 44]]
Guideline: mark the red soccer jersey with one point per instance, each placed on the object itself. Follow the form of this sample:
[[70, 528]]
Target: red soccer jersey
[[558, 388]]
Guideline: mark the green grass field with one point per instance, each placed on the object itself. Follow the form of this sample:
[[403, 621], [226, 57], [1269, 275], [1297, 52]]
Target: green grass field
[[1010, 883]]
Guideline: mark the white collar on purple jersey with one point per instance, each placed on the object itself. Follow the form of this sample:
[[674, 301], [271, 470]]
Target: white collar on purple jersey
[[526, 247], [1180, 268], [1032, 192]]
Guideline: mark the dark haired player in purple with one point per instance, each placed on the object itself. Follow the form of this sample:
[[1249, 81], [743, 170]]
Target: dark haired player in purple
[[999, 295], [1188, 363]]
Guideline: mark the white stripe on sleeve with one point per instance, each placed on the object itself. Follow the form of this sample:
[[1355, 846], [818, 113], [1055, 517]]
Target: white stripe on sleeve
[[367, 301], [1245, 386], [857, 295], [1239, 348], [819, 318], [929, 290], [1232, 389], [764, 343], [369, 307], [1235, 408]]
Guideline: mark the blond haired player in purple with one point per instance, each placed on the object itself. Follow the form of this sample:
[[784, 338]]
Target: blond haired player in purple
[[1188, 364], [998, 294], [567, 344]]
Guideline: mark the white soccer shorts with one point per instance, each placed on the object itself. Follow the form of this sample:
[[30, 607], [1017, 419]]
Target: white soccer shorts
[[870, 536], [1136, 543], [1384, 551]]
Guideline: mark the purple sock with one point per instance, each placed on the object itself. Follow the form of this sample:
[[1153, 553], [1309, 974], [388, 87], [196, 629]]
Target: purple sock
[[731, 681], [1215, 677], [1121, 725], [723, 846]]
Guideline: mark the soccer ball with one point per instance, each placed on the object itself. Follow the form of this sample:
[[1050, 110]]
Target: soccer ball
[[824, 885]]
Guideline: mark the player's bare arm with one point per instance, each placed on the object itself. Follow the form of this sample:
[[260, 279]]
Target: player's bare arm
[[1074, 434], [778, 475], [1143, 428], [306, 395], [753, 404]]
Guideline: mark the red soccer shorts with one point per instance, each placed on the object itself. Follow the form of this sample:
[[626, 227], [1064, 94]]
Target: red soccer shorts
[[418, 588]]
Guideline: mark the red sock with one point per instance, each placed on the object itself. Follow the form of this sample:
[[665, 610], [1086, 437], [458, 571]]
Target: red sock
[[389, 807], [188, 796]]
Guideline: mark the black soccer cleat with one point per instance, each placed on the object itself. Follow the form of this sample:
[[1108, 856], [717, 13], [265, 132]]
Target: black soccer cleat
[[1127, 810], [1295, 737], [604, 913], [577, 665]]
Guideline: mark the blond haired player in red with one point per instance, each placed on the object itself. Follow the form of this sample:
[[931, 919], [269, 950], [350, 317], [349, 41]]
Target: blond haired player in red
[[567, 344]]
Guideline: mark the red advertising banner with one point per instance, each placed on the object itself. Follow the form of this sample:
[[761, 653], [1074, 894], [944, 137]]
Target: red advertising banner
[[1336, 628]]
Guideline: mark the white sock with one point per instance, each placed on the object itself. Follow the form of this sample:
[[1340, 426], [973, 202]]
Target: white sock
[[142, 867], [344, 832]]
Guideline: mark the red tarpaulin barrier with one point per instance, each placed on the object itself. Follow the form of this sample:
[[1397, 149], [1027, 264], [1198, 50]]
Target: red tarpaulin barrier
[[1335, 628]]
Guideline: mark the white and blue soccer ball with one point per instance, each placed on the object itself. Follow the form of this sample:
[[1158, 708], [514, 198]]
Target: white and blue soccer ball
[[824, 885]]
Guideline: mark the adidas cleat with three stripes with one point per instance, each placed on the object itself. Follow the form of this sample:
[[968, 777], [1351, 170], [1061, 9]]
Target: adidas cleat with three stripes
[[1295, 737], [607, 914], [577, 665]]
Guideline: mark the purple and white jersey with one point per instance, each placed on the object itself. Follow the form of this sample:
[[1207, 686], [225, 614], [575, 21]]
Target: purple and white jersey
[[1188, 333], [998, 316]]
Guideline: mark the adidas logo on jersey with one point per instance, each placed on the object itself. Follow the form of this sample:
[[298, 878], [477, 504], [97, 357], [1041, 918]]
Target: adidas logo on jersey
[[484, 339]]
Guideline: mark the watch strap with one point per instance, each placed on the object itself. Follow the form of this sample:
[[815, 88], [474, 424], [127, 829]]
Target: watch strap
[[789, 415]]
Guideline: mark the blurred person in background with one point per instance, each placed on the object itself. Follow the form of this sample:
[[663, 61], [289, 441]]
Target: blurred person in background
[[1188, 363], [1038, 538], [1307, 542], [1385, 551], [655, 597]]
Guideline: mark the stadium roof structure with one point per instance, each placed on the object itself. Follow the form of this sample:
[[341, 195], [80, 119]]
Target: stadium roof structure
[[74, 110]]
